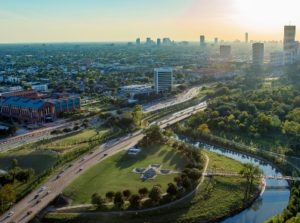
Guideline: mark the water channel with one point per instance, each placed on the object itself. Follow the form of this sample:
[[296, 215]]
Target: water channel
[[273, 200]]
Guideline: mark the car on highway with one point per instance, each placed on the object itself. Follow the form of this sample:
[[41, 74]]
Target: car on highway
[[38, 201], [29, 212], [36, 196], [42, 189], [11, 213], [105, 154]]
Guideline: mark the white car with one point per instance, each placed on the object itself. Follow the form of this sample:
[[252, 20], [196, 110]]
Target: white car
[[11, 213], [42, 189]]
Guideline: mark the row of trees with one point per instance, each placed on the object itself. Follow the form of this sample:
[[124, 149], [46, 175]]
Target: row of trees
[[144, 197]]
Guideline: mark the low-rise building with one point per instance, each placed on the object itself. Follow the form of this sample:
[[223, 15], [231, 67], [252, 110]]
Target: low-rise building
[[136, 89], [27, 110], [40, 87], [31, 110]]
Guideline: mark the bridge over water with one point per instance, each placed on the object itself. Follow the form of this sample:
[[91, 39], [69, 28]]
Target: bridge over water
[[230, 174]]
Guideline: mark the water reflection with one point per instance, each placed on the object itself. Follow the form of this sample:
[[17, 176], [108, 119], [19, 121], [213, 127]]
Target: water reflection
[[271, 203]]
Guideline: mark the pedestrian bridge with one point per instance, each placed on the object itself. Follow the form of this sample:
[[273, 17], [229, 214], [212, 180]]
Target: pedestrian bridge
[[229, 174]]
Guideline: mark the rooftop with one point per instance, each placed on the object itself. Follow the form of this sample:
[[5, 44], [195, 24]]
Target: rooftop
[[24, 102]]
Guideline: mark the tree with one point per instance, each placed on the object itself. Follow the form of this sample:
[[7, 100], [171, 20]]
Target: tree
[[7, 196], [155, 193], [186, 183], [118, 200], [291, 128], [126, 194], [169, 133], [172, 189], [135, 200], [97, 200], [153, 135], [143, 192], [194, 174], [250, 172], [110, 195], [137, 115], [23, 175], [203, 129], [14, 163]]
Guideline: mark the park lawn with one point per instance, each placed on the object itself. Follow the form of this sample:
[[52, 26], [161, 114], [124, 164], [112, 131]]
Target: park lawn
[[74, 141], [115, 173], [39, 160], [225, 198], [221, 163]]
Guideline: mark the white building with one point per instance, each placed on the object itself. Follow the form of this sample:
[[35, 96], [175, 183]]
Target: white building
[[277, 58], [163, 79], [12, 79], [40, 87], [136, 89], [15, 88]]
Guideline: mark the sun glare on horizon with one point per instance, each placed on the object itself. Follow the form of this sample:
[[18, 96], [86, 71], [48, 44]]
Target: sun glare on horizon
[[264, 14]]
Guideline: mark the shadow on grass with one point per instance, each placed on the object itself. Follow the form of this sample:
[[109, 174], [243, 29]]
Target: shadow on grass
[[126, 160], [158, 216]]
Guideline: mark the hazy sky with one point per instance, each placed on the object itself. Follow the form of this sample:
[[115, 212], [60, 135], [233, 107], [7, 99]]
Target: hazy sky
[[124, 20]]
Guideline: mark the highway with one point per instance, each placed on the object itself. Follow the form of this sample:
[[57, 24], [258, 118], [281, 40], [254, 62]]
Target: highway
[[185, 96], [33, 136], [45, 133], [33, 203]]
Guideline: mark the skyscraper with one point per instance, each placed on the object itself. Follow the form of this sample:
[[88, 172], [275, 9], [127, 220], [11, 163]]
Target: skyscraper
[[158, 42], [216, 40], [246, 37], [290, 46], [148, 41], [163, 79], [138, 41], [258, 54], [202, 40], [167, 41], [289, 38]]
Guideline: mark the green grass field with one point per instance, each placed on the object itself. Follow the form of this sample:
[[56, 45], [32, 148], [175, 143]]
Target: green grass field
[[28, 158], [72, 142], [224, 197], [115, 173]]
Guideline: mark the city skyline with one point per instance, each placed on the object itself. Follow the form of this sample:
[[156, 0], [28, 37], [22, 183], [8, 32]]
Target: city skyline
[[101, 21]]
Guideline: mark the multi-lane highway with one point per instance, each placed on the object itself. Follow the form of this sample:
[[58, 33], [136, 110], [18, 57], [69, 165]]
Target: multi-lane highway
[[45, 133], [37, 200], [33, 136], [185, 96]]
